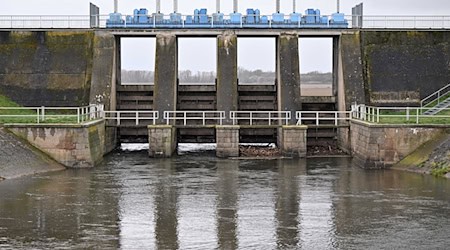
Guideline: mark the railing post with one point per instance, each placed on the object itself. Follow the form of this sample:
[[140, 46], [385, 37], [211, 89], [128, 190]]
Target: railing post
[[118, 118], [317, 118], [417, 116], [38, 115], [185, 118], [137, 118], [335, 119], [270, 116], [251, 118], [203, 118], [378, 115], [43, 113], [78, 115], [407, 113]]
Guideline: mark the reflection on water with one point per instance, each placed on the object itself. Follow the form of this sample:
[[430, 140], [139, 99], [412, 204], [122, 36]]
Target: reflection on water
[[133, 202]]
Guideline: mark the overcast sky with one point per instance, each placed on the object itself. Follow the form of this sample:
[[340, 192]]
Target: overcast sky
[[315, 54]]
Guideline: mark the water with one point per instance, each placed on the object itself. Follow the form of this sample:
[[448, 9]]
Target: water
[[200, 202]]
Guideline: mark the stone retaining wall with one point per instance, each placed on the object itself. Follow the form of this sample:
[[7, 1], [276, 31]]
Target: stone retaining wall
[[381, 146], [74, 146]]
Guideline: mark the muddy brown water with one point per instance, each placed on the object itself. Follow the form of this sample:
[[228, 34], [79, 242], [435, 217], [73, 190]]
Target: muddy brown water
[[200, 202]]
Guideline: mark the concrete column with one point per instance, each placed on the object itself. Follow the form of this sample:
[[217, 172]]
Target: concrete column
[[227, 139], [335, 66], [293, 141], [166, 68], [227, 86], [288, 74], [162, 140]]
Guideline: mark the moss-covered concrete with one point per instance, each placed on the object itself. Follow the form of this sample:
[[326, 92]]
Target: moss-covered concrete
[[46, 68], [403, 67]]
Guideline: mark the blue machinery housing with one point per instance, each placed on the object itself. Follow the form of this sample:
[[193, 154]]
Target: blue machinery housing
[[252, 19]]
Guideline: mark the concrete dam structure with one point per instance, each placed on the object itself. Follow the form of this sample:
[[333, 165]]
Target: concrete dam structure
[[78, 67]]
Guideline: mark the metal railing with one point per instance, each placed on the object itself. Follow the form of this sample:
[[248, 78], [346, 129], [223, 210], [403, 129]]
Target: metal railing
[[399, 115], [435, 98], [84, 21], [262, 118], [202, 118], [50, 114], [139, 118], [323, 116]]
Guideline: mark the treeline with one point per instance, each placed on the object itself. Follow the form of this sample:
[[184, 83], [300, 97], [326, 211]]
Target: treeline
[[244, 75]]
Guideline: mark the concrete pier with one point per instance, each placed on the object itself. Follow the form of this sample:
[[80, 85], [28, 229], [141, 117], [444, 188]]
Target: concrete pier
[[227, 79], [166, 73], [292, 141], [288, 74], [162, 140], [227, 138]]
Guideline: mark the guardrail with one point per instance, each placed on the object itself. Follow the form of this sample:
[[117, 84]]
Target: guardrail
[[50, 114], [205, 117], [140, 118], [323, 116], [261, 117], [435, 98], [399, 115], [84, 22]]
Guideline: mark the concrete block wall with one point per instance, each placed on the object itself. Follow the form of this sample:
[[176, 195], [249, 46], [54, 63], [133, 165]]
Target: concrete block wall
[[292, 141], [380, 146], [162, 140], [227, 139], [74, 146]]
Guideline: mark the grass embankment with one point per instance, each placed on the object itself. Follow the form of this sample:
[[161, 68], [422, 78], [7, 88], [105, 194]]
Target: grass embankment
[[11, 112]]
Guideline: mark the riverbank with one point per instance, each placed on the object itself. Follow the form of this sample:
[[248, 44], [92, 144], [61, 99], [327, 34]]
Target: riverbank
[[431, 158], [18, 158]]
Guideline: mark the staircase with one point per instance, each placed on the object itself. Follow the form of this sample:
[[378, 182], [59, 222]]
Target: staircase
[[436, 109], [436, 97]]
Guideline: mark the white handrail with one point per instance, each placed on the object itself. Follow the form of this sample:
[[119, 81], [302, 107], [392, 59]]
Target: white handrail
[[137, 116], [406, 114], [265, 116], [204, 116], [319, 116], [81, 114]]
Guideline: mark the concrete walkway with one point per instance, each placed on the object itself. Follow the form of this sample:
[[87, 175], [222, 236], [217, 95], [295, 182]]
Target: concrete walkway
[[17, 158]]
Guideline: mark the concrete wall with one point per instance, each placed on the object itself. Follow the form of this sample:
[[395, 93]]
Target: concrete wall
[[381, 146], [405, 65], [74, 146], [56, 68], [394, 67], [51, 68]]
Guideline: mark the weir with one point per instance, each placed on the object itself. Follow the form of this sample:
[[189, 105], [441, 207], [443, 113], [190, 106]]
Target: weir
[[263, 102], [377, 67]]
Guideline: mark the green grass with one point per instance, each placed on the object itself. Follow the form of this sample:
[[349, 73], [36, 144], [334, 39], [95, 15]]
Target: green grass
[[30, 116], [440, 169], [399, 117]]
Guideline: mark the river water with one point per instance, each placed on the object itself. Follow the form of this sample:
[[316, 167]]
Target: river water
[[200, 202]]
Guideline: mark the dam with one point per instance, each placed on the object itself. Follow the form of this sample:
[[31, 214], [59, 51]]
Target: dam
[[75, 66]]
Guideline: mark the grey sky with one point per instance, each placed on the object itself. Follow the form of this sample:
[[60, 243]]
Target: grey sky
[[315, 54]]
